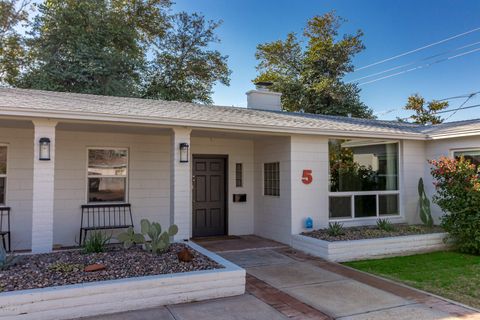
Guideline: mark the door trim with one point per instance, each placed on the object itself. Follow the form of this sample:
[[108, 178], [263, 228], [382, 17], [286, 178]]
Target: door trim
[[214, 156]]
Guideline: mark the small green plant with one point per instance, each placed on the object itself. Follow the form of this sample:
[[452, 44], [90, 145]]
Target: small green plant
[[159, 242], [96, 242], [385, 225], [130, 238], [335, 229], [7, 261], [64, 267], [424, 203]]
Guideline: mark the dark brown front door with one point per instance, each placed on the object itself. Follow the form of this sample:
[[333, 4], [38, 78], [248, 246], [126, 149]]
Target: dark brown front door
[[209, 214]]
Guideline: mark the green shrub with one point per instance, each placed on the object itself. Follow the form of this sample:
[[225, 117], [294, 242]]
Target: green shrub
[[335, 229], [159, 242], [96, 242], [64, 267], [458, 195], [385, 225]]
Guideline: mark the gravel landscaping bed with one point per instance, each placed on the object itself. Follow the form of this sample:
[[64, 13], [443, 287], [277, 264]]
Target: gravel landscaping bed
[[372, 232], [67, 267]]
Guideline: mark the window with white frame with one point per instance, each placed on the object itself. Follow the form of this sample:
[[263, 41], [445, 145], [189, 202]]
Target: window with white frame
[[271, 179], [107, 174], [364, 179], [472, 155], [3, 174]]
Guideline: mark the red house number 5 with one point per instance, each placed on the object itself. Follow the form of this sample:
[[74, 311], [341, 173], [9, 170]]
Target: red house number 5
[[307, 176]]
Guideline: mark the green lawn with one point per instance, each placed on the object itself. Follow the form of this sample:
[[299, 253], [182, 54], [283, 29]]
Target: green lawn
[[448, 274]]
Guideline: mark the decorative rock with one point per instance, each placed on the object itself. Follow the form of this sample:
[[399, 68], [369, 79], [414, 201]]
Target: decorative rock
[[94, 267], [185, 255]]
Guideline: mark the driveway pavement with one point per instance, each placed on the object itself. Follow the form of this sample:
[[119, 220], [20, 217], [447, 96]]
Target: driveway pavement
[[285, 284]]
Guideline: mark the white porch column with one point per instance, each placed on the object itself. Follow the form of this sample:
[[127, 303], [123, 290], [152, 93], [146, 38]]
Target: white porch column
[[43, 188], [180, 185]]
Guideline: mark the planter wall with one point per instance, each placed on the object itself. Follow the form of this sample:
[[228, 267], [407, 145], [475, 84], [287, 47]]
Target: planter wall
[[94, 298], [342, 251]]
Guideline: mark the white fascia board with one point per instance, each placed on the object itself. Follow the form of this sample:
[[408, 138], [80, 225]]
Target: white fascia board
[[90, 116]]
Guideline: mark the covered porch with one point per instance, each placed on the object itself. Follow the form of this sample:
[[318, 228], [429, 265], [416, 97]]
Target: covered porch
[[110, 163]]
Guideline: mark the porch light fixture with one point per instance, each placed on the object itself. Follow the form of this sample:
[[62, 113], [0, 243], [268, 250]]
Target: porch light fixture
[[184, 152], [44, 151]]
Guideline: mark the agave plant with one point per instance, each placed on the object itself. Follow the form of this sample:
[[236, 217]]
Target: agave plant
[[335, 229], [7, 261], [159, 242], [385, 225]]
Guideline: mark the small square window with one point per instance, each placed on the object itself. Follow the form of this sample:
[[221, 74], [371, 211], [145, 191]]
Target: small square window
[[239, 175], [271, 179]]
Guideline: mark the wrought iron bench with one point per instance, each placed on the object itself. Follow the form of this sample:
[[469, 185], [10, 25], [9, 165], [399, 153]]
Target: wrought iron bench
[[105, 217], [5, 227]]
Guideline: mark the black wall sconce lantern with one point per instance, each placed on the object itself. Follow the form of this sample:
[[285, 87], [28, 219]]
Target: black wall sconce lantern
[[184, 152], [44, 151]]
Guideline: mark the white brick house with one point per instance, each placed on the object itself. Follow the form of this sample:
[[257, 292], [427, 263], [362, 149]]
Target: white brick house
[[249, 171]]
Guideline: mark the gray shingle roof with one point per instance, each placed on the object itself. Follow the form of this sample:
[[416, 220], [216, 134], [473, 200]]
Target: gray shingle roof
[[47, 103]]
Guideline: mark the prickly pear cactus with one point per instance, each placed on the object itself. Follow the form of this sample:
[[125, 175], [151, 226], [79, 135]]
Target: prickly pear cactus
[[424, 204]]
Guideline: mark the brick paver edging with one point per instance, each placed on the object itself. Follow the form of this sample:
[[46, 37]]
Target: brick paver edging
[[403, 291], [282, 302]]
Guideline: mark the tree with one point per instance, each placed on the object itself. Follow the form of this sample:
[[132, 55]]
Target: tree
[[310, 76], [184, 68], [116, 47], [12, 52], [95, 46], [425, 112]]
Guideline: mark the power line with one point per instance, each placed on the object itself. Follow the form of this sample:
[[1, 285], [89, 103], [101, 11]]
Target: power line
[[418, 49], [443, 99], [421, 66], [414, 62], [463, 103], [463, 108]]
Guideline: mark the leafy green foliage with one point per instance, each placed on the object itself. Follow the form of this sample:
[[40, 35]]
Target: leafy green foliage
[[113, 47], [309, 76], [424, 202], [96, 242], [425, 112], [159, 242], [6, 260], [458, 195], [130, 238], [385, 225], [184, 67], [12, 46], [335, 229], [64, 267]]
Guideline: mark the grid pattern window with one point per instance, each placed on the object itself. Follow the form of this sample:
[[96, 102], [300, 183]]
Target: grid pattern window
[[271, 179], [472, 155], [3, 174], [364, 179], [239, 175], [107, 175]]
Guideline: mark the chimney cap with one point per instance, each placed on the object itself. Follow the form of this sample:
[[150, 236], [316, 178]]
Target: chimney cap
[[263, 84]]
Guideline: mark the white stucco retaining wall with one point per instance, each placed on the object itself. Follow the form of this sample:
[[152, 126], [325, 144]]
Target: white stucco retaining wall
[[89, 299], [342, 251]]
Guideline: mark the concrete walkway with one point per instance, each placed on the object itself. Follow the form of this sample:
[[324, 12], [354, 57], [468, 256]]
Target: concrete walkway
[[286, 284]]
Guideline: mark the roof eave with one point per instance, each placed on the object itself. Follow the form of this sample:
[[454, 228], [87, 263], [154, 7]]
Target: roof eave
[[92, 116]]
